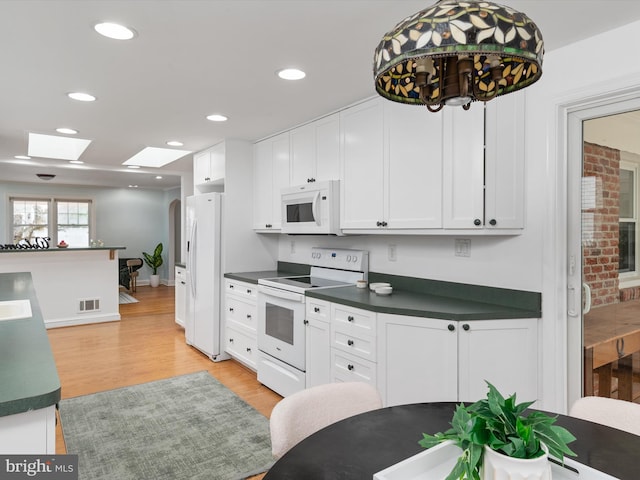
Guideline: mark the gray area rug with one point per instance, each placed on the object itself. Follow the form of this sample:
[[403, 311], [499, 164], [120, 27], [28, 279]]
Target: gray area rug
[[185, 427]]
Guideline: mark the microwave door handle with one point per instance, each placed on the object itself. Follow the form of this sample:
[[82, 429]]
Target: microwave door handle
[[315, 207]]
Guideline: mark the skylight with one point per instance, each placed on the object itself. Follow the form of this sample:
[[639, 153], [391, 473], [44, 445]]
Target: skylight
[[53, 146], [156, 157]]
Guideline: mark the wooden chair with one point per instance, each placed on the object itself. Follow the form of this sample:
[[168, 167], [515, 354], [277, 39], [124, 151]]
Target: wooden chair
[[299, 415], [612, 412], [133, 265]]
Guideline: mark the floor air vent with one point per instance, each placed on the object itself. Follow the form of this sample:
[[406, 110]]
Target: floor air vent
[[89, 305]]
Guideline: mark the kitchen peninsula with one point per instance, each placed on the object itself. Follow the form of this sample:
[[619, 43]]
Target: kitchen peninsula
[[75, 285], [28, 375]]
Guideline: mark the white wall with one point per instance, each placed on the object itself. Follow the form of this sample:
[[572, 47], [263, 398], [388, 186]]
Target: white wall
[[134, 218]]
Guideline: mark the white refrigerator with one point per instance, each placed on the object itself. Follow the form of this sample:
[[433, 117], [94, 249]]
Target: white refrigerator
[[204, 274]]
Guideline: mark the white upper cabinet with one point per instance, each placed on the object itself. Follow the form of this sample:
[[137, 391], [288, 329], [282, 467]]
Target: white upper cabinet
[[413, 167], [463, 169], [209, 168], [270, 176], [362, 164], [315, 151], [392, 167], [504, 162]]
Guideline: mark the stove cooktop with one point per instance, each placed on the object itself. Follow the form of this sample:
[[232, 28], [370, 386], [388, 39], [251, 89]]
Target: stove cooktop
[[305, 282]]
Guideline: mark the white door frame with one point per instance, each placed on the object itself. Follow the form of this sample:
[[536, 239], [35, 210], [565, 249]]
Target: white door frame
[[599, 101]]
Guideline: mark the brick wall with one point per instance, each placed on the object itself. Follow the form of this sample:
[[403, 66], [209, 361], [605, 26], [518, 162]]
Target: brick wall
[[600, 223]]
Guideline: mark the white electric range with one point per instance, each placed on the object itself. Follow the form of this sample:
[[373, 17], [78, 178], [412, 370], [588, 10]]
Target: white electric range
[[281, 314]]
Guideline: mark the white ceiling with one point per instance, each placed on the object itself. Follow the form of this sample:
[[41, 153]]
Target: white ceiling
[[192, 58]]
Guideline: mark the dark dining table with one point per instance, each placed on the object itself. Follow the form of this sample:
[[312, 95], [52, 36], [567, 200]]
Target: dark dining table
[[359, 446]]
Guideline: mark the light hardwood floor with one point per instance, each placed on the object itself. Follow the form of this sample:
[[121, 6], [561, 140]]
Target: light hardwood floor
[[145, 345]]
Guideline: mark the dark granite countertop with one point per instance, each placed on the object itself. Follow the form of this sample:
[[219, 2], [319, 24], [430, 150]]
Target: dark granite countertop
[[402, 302], [419, 297], [28, 375], [284, 269]]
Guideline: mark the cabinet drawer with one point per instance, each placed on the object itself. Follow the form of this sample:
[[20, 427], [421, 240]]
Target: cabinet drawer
[[241, 347], [349, 368], [241, 312], [359, 322], [319, 309], [343, 338], [241, 288]]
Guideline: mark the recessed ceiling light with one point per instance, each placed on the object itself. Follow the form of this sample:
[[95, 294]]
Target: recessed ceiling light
[[217, 118], [133, 166], [82, 97], [175, 143], [115, 31], [156, 157], [68, 131], [76, 162], [133, 186], [22, 157], [158, 177], [291, 74]]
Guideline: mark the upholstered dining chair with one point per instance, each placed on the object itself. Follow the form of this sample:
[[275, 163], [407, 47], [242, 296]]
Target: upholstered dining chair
[[612, 412], [299, 415], [133, 265]]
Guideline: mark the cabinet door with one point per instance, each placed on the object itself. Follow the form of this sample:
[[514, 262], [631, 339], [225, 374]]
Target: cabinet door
[[262, 185], [217, 157], [327, 131], [503, 352], [361, 189], [303, 154], [504, 162], [318, 353], [417, 359], [201, 167], [463, 167], [280, 168], [413, 173]]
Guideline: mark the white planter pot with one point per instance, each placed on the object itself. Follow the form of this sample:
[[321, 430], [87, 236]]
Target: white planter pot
[[154, 280], [496, 466]]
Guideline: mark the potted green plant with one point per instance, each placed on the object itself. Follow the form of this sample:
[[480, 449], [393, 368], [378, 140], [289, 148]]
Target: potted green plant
[[154, 261], [499, 425]]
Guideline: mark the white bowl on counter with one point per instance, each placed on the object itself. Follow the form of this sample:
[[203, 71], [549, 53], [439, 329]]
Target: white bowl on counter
[[384, 290], [374, 286]]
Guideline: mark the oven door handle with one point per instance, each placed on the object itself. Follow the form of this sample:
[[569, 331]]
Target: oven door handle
[[274, 292]]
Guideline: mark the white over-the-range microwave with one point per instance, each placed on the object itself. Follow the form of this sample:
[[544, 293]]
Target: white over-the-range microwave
[[312, 209]]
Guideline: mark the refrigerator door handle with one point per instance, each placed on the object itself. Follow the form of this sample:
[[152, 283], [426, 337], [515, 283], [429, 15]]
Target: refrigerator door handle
[[191, 257]]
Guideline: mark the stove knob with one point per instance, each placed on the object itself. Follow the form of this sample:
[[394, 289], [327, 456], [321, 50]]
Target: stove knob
[[348, 258], [355, 258]]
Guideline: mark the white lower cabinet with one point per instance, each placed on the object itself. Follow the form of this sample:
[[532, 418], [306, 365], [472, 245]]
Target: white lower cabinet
[[353, 345], [418, 360], [29, 433], [241, 316], [429, 360], [318, 342]]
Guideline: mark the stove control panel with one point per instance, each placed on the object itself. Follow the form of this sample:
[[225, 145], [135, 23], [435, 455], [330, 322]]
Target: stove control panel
[[343, 259]]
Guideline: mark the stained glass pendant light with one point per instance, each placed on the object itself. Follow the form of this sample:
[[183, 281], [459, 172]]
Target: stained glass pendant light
[[456, 52]]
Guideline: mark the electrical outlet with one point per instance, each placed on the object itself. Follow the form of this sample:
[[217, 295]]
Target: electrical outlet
[[392, 253], [462, 247]]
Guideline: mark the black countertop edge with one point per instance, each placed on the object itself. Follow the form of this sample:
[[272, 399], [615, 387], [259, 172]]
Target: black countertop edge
[[22, 405], [56, 249]]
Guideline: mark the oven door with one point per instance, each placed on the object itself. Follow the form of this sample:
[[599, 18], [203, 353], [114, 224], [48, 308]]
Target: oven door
[[281, 331]]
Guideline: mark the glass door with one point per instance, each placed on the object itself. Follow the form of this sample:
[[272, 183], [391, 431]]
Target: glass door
[[609, 204]]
